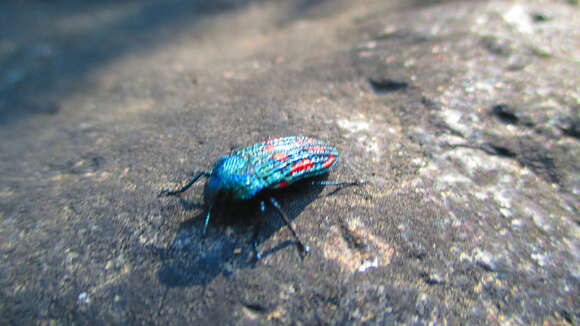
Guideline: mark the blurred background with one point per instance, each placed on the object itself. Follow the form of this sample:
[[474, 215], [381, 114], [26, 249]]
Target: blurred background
[[462, 115]]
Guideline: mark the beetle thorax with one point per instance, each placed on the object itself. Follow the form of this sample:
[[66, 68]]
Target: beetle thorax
[[231, 180]]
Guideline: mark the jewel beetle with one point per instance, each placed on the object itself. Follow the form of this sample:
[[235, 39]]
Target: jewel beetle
[[272, 164]]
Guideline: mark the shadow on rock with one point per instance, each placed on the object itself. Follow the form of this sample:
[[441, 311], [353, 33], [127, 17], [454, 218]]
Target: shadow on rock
[[196, 259]]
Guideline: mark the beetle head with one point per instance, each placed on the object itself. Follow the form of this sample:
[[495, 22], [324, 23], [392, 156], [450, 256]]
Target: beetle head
[[215, 191], [229, 181]]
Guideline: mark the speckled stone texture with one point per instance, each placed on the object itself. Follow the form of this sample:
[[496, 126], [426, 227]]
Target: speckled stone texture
[[462, 115]]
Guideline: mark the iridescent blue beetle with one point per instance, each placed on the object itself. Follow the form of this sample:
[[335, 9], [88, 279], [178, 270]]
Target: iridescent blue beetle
[[272, 164]]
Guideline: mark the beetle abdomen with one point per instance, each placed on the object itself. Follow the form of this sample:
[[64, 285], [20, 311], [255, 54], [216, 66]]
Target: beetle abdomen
[[278, 162]]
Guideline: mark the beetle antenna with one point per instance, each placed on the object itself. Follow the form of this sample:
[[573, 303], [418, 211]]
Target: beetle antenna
[[168, 192]]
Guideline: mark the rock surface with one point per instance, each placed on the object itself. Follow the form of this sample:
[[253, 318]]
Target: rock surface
[[462, 115]]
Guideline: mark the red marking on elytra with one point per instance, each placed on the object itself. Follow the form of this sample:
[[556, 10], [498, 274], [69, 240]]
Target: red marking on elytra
[[268, 148], [329, 162], [280, 156], [316, 149], [282, 184], [305, 164]]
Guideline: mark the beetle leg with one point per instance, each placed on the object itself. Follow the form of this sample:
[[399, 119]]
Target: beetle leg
[[257, 230], [303, 249], [207, 217], [168, 192], [339, 183]]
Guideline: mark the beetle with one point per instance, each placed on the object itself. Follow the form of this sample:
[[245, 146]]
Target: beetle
[[272, 164]]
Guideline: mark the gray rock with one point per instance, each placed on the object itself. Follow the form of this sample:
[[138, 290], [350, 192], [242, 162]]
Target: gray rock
[[461, 115]]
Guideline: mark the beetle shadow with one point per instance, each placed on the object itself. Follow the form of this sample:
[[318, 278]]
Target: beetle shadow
[[196, 259]]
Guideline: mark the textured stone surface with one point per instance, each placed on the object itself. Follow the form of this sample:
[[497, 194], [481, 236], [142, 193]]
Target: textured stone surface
[[463, 116]]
